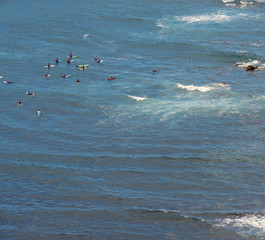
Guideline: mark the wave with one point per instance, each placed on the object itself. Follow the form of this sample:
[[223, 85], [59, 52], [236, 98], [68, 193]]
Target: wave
[[241, 4], [217, 18], [137, 98], [165, 214], [261, 66], [249, 225], [205, 88]]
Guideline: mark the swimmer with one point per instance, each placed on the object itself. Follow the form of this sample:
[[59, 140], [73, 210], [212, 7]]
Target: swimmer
[[39, 113], [30, 93], [251, 68]]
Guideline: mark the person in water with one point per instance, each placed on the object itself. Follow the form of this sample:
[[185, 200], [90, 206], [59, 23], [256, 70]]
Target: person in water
[[111, 78], [154, 71], [68, 60], [49, 65], [8, 82], [39, 113], [46, 75], [70, 55], [77, 81], [57, 60], [30, 93], [84, 67], [63, 76], [99, 60], [19, 102], [96, 58]]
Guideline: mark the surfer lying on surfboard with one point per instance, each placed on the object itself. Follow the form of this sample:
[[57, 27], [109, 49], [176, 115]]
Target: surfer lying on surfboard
[[111, 78], [8, 82]]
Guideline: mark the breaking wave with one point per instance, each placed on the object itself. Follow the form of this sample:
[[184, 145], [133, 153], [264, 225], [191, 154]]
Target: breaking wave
[[249, 225]]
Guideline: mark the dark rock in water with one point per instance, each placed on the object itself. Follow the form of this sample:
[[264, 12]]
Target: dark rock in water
[[251, 68]]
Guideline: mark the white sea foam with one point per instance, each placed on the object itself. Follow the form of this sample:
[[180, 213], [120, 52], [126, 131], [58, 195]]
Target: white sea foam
[[137, 98], [242, 4], [245, 64], [205, 88], [86, 35], [249, 225], [217, 18]]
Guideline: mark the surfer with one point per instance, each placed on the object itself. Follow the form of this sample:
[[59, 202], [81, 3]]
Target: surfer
[[251, 68], [96, 58], [84, 67], [19, 102], [111, 78], [49, 65], [47, 75], [77, 81], [57, 60], [154, 71], [8, 82], [68, 60], [70, 55], [30, 93], [99, 61], [63, 76]]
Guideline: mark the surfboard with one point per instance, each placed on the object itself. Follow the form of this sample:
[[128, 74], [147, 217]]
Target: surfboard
[[74, 56], [81, 68], [1, 76], [58, 61], [66, 76], [81, 65], [71, 60], [50, 66]]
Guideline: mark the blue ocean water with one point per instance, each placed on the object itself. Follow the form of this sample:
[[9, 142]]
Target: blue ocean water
[[176, 154]]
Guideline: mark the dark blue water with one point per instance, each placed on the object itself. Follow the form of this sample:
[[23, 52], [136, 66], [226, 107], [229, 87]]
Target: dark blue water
[[178, 154]]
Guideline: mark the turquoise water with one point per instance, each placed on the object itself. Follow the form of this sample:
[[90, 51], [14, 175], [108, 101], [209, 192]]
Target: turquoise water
[[178, 154]]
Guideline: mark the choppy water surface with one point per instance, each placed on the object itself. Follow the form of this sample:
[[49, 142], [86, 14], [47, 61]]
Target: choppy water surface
[[177, 154]]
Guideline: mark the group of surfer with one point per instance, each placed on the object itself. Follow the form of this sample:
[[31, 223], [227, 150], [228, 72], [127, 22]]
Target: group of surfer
[[69, 60]]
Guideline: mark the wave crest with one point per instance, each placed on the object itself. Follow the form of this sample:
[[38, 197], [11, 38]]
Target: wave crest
[[205, 88]]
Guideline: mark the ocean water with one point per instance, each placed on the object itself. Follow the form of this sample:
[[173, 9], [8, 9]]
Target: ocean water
[[178, 154]]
